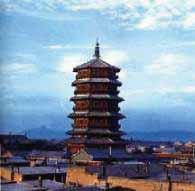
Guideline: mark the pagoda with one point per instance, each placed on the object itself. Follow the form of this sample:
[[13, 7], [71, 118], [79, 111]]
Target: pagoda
[[96, 128]]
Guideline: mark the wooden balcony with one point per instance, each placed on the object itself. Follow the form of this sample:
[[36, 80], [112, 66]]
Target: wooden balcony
[[90, 108]]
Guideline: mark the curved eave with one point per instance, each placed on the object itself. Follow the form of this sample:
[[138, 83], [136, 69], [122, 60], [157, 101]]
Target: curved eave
[[96, 114], [96, 63], [96, 80], [96, 96], [100, 141], [94, 132]]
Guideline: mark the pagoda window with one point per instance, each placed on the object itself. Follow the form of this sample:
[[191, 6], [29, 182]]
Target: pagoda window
[[83, 88], [94, 73], [81, 122], [99, 88], [80, 105], [99, 122], [99, 73], [100, 105], [84, 73]]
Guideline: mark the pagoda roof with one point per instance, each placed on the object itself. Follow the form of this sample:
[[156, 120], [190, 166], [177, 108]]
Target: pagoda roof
[[102, 140], [94, 131], [96, 96], [96, 80], [96, 63], [95, 114]]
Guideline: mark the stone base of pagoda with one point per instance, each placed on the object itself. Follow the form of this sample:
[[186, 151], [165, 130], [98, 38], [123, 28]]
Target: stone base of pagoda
[[103, 149], [105, 154]]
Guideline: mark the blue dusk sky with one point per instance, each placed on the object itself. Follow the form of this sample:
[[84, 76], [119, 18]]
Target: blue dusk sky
[[152, 41]]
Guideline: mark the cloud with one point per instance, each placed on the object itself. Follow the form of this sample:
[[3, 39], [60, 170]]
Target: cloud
[[189, 89], [17, 68], [162, 95], [180, 44], [69, 61], [177, 90], [55, 47], [44, 9], [18, 63], [143, 14], [189, 20], [169, 64], [131, 14], [116, 57], [148, 22], [162, 90], [71, 46], [90, 5]]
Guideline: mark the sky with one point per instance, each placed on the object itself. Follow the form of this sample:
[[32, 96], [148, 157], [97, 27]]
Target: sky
[[152, 41]]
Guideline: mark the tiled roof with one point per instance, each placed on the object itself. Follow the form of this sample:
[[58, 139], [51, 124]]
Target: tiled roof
[[39, 170], [96, 80], [95, 141], [96, 96], [95, 114], [47, 154], [118, 153], [95, 131], [96, 63], [34, 186], [16, 159]]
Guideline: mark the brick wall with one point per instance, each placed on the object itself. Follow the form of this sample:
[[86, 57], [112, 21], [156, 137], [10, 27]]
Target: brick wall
[[6, 173], [78, 175], [149, 185]]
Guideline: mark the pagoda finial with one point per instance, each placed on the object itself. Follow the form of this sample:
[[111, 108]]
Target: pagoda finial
[[97, 50]]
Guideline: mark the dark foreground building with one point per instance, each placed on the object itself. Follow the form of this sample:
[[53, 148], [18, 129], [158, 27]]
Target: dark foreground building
[[96, 128]]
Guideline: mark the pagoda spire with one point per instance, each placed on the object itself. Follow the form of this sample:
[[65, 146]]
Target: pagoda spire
[[97, 50]]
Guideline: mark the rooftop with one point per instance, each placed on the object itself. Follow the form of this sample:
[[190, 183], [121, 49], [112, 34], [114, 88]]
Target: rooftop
[[96, 80], [16, 159], [46, 185], [33, 186], [96, 62], [95, 131], [105, 153], [97, 96], [96, 114], [95, 141], [39, 170], [47, 154]]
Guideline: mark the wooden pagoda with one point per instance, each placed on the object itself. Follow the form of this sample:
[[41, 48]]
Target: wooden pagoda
[[96, 128]]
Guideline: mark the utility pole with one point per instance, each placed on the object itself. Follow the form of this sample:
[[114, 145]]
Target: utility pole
[[170, 183]]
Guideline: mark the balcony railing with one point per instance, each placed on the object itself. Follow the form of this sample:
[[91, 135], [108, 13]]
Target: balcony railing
[[111, 92]]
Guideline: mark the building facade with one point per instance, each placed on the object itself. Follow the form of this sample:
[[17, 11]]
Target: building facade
[[96, 127]]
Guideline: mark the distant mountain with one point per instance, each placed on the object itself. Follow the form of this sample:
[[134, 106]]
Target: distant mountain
[[49, 133], [157, 121], [162, 135], [46, 133], [144, 125]]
